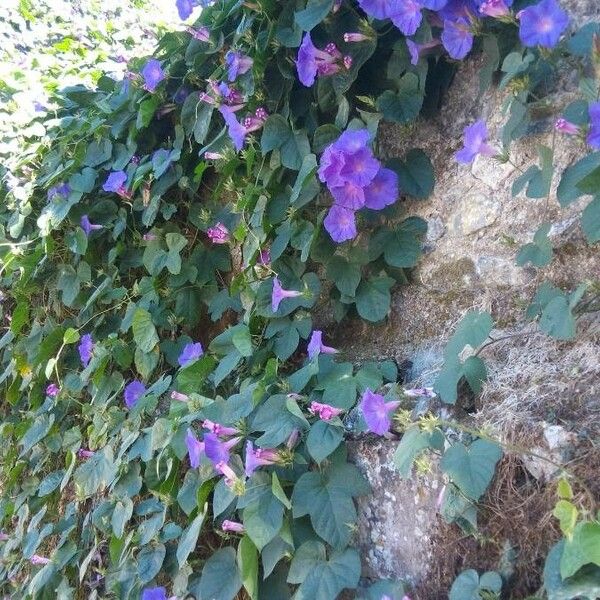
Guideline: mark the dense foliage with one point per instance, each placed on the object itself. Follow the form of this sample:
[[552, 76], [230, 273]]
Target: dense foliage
[[173, 422]]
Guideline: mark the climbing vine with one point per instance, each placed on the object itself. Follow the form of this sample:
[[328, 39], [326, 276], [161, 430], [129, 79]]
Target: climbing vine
[[174, 417]]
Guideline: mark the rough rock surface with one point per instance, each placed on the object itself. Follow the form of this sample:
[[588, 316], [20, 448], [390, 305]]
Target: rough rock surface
[[475, 230]]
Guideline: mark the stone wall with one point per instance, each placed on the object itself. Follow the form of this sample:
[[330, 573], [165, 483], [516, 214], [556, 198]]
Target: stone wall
[[475, 230]]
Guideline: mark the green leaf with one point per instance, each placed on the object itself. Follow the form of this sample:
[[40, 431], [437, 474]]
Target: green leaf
[[96, 473], [327, 498], [71, 336], [50, 482], [220, 578], [401, 247], [413, 442], [469, 586], [149, 561], [583, 548], [322, 579], [404, 105], [121, 515], [97, 152], [344, 274], [541, 180], [557, 320], [278, 491], [567, 513], [277, 422], [323, 438], [263, 518], [324, 136], [313, 14], [188, 539], [36, 433], [275, 133], [472, 468], [473, 330], [539, 252], [415, 173], [144, 332], [294, 149], [247, 561], [590, 221], [373, 298], [568, 190]]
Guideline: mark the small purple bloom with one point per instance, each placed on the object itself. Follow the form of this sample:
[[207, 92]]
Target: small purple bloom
[[195, 448], [179, 396], [316, 346], [218, 452], [383, 190], [36, 559], [52, 390], [83, 453], [212, 156], [63, 190], [237, 64], [190, 353], [184, 8], [232, 526], [376, 412], [350, 37], [218, 429], [264, 256], [4, 536], [311, 61], [407, 16], [238, 131], [340, 224], [202, 34], [375, 8], [155, 593], [115, 182], [457, 38], [133, 392], [258, 457], [542, 24], [86, 347], [566, 127], [149, 237], [475, 143], [495, 8], [326, 412], [218, 234], [153, 74], [593, 138], [88, 226], [279, 294]]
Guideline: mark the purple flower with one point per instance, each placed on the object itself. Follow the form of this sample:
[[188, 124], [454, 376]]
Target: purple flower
[[4, 536], [326, 412], [350, 37], [495, 8], [376, 412], [195, 448], [218, 452], [86, 347], [264, 256], [542, 24], [258, 457], [237, 64], [52, 390], [349, 195], [407, 16], [133, 392], [418, 50], [88, 226], [202, 34], [233, 526], [83, 453], [459, 9], [218, 429], [593, 138], [340, 224], [218, 234], [115, 182], [238, 131], [433, 4], [190, 353], [152, 74], [383, 190], [360, 167], [279, 294], [316, 346], [376, 8], [155, 593], [36, 559], [63, 190], [184, 8], [475, 143], [311, 61], [457, 38], [566, 127], [179, 396], [427, 392]]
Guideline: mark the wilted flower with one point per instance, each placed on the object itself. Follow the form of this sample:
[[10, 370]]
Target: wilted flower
[[316, 346], [4, 536], [86, 347], [495, 8], [88, 226], [218, 429], [279, 294], [149, 237], [36, 559], [258, 457], [566, 127], [440, 498], [232, 526], [83, 453], [376, 412], [264, 256], [153, 74], [593, 138], [475, 142], [218, 234], [179, 396], [133, 392], [52, 390], [190, 352], [195, 448], [542, 24], [202, 34], [422, 391], [212, 156], [326, 412], [237, 64], [355, 37]]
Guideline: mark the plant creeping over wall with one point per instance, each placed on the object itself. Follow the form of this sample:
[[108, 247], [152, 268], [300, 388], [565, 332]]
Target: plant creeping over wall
[[173, 419]]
